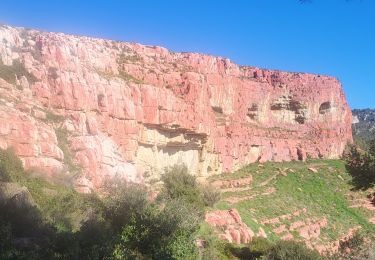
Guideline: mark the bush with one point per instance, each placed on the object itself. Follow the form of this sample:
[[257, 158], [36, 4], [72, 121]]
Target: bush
[[260, 245], [160, 233], [210, 246], [359, 247], [95, 239], [16, 70], [353, 243], [64, 224], [151, 230], [258, 248], [125, 202], [210, 196], [218, 249], [6, 249], [52, 228], [10, 165], [290, 250], [361, 166], [179, 184]]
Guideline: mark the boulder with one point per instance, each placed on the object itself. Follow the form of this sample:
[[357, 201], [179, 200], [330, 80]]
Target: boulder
[[229, 226]]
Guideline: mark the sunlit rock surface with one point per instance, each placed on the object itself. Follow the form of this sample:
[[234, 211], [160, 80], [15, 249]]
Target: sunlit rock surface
[[105, 110]]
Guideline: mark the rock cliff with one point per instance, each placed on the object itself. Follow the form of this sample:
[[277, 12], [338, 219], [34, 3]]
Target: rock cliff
[[102, 109]]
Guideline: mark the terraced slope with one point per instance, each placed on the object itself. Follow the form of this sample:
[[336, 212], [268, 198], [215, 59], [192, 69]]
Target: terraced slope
[[310, 202]]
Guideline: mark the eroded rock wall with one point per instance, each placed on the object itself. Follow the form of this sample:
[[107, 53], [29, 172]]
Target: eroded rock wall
[[104, 109]]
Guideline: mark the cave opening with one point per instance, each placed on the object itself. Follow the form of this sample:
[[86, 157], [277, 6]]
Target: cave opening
[[325, 107]]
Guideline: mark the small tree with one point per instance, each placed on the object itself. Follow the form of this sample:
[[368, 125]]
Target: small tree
[[361, 166], [179, 184], [10, 165], [290, 250], [210, 195], [124, 203], [160, 233]]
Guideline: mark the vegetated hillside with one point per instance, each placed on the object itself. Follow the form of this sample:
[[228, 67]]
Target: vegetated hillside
[[44, 220], [262, 203], [364, 124], [310, 202]]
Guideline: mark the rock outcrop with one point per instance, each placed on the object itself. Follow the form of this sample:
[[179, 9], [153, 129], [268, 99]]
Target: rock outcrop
[[229, 226], [106, 110], [15, 195]]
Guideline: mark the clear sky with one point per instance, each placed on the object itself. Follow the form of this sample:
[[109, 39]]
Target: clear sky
[[331, 37]]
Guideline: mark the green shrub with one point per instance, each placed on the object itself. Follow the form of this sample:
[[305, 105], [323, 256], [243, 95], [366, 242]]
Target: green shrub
[[210, 196], [95, 239], [17, 69], [126, 225], [62, 136], [159, 233], [67, 209], [359, 247], [179, 184], [361, 166], [260, 245], [60, 226], [353, 243], [257, 249], [6, 248], [218, 249], [211, 247], [10, 166], [290, 250], [123, 203]]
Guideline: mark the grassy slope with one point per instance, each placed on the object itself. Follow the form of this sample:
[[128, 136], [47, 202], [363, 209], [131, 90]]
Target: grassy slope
[[326, 193]]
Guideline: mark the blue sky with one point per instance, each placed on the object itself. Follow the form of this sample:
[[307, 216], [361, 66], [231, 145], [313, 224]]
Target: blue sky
[[331, 37]]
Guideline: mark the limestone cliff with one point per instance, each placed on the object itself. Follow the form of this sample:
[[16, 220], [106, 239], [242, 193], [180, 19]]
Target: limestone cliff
[[103, 109]]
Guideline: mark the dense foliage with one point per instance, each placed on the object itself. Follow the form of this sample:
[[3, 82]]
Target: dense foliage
[[361, 165], [287, 250], [43, 220], [40, 219], [179, 184]]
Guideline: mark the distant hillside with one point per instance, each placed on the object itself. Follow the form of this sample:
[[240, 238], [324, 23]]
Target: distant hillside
[[364, 124]]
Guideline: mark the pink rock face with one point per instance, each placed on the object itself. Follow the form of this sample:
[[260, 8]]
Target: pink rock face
[[34, 141], [154, 108], [230, 227]]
